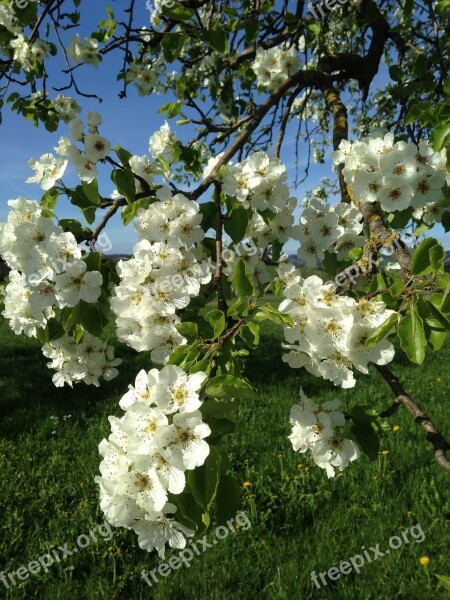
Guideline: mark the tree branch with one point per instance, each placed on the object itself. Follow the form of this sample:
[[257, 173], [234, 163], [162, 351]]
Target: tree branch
[[440, 444], [221, 301]]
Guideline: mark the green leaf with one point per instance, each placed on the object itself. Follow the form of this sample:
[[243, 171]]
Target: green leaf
[[50, 198], [240, 308], [189, 513], [363, 428], [91, 191], [172, 44], [128, 213], [444, 580], [330, 262], [276, 248], [382, 330], [228, 499], [242, 280], [212, 407], [228, 386], [74, 227], [208, 210], [42, 335], [420, 260], [69, 317], [123, 155], [93, 317], [418, 111], [314, 27], [440, 136], [78, 333], [249, 332], [172, 109], [79, 198], [267, 311], [355, 254], [436, 334], [423, 228], [237, 223], [437, 314], [219, 427], [446, 220], [378, 283], [251, 27], [203, 480], [445, 306], [437, 255], [412, 337], [216, 37], [179, 355], [395, 72], [177, 12], [217, 320], [188, 329], [125, 183], [397, 286]]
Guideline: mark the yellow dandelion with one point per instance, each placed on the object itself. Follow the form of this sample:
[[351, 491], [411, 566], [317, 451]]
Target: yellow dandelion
[[306, 469], [409, 513], [424, 560], [396, 428], [295, 477], [299, 466], [273, 497], [246, 484], [237, 526], [384, 452]]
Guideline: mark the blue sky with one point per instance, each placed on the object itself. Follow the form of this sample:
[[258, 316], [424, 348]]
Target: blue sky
[[128, 122]]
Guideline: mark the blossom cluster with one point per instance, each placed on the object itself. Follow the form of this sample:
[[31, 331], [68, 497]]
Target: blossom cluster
[[86, 361], [273, 66], [161, 143], [48, 273], [8, 19], [19, 48], [324, 227], [159, 438], [84, 51], [144, 76], [314, 430], [95, 148], [164, 273], [258, 182], [26, 54], [398, 175], [330, 332], [66, 107]]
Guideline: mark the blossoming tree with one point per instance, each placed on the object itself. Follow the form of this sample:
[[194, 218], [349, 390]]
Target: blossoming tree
[[212, 217]]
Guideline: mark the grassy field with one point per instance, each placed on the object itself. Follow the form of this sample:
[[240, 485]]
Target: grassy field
[[300, 521]]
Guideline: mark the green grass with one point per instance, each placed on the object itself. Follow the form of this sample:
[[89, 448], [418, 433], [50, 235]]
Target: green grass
[[301, 521]]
